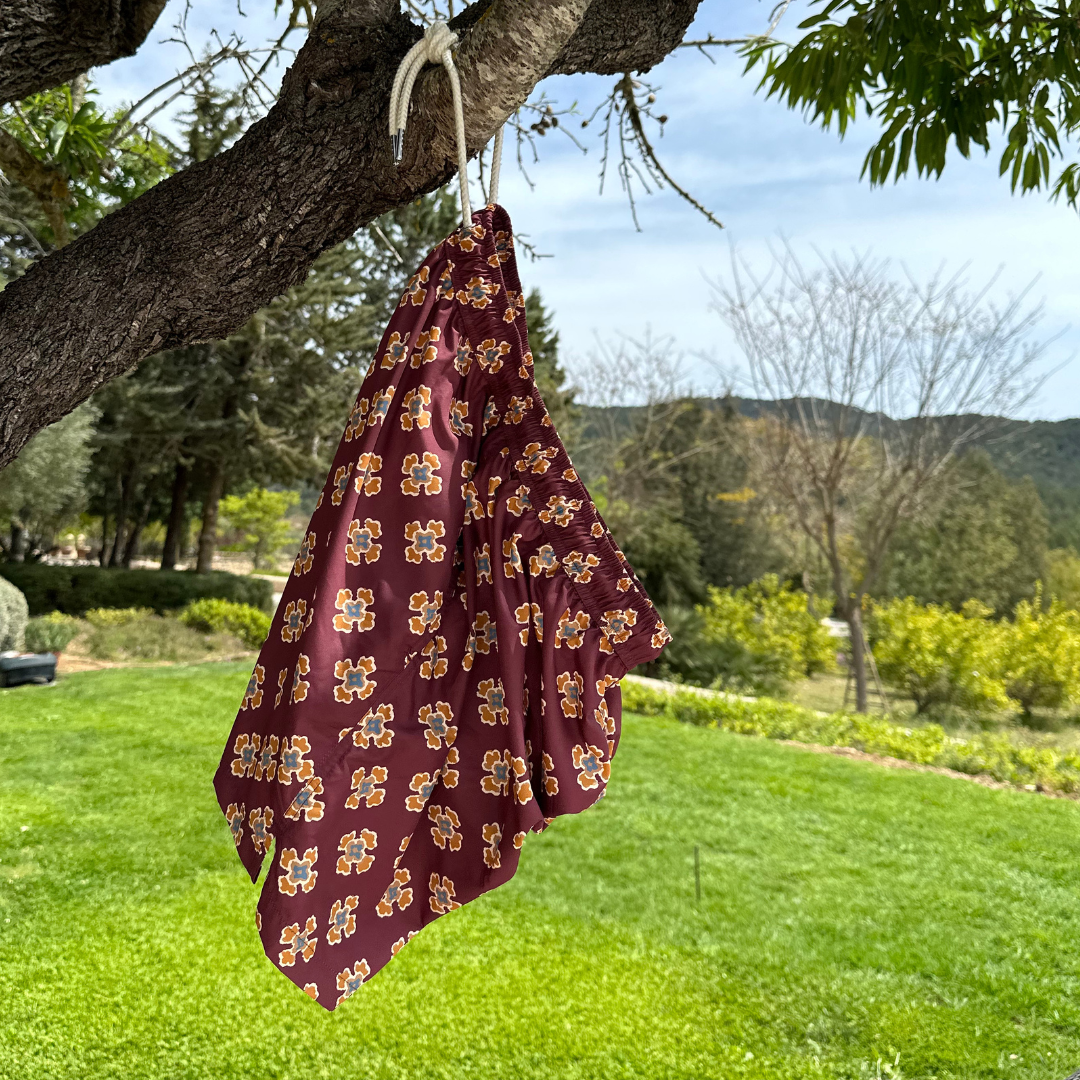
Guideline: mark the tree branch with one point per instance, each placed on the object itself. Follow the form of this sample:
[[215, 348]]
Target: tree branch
[[45, 182], [44, 43], [195, 256]]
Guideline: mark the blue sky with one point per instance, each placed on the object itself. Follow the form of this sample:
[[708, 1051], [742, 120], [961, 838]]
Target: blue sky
[[765, 172]]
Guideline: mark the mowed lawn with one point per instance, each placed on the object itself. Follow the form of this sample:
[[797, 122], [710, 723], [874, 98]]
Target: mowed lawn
[[854, 921]]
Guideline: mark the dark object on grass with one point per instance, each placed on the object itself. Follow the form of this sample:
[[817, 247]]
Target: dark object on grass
[[74, 590], [34, 668]]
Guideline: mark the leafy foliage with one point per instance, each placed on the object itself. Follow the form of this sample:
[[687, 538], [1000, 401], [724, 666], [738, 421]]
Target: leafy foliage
[[259, 516], [243, 621], [13, 616], [1041, 656], [51, 633], [932, 74]]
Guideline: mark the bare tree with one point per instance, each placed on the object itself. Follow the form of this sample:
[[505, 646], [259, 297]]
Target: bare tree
[[870, 386]]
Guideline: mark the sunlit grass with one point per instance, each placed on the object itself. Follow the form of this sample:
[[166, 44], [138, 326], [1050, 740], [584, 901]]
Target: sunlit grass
[[848, 914]]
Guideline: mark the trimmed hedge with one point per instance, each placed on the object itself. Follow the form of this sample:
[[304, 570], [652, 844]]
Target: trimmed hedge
[[1043, 767], [75, 590]]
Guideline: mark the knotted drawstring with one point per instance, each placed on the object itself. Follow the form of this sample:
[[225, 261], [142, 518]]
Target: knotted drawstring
[[435, 48]]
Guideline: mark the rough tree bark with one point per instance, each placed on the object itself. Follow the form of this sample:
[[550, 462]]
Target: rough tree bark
[[195, 256], [44, 43], [177, 515], [204, 560]]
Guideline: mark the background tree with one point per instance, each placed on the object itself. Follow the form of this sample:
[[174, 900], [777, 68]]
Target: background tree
[[259, 517], [841, 350]]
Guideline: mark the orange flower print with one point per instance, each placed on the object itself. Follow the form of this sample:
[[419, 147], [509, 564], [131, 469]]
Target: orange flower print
[[434, 666], [312, 990], [300, 874], [519, 502], [355, 679], [661, 635], [466, 237], [477, 292], [295, 620], [366, 788], [623, 584], [517, 409], [493, 486], [422, 785], [444, 831], [397, 349], [415, 409], [570, 475], [559, 510], [498, 763], [515, 304], [446, 282], [234, 815], [367, 481], [361, 545], [569, 684], [300, 687], [442, 895], [485, 632], [494, 709], [380, 406], [420, 474], [342, 920], [349, 981], [424, 542], [397, 892], [357, 419], [492, 416], [260, 822], [615, 628], [604, 718], [571, 632], [535, 458], [307, 803], [282, 675], [492, 834], [425, 350], [483, 564], [474, 508], [427, 617], [545, 561], [512, 557], [356, 848], [373, 729], [490, 353], [504, 245], [522, 788], [415, 290], [469, 655], [580, 567], [447, 775], [253, 696], [298, 943], [597, 529], [437, 719], [459, 412], [341, 483], [604, 684], [591, 766], [519, 839], [294, 763], [246, 749], [463, 357], [353, 613], [305, 558], [551, 782], [522, 615]]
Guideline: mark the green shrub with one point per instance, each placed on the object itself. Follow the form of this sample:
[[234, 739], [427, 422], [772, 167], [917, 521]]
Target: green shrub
[[1041, 656], [939, 657], [150, 637], [102, 617], [1004, 759], [51, 633], [13, 616], [77, 589], [247, 623]]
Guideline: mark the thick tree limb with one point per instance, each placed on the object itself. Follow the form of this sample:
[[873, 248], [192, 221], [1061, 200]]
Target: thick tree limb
[[194, 257], [44, 43]]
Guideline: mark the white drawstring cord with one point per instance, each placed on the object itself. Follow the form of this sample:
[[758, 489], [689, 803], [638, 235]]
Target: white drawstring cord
[[434, 47]]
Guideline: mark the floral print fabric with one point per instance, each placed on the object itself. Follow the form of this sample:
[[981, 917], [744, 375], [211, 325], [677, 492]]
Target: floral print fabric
[[441, 677]]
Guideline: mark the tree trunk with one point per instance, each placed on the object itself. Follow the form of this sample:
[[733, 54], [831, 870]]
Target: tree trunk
[[131, 548], [208, 534], [18, 542], [126, 483], [103, 554], [858, 654], [196, 255], [177, 516]]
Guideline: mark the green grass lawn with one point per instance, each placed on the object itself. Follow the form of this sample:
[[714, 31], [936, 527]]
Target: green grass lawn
[[849, 915]]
